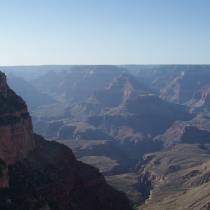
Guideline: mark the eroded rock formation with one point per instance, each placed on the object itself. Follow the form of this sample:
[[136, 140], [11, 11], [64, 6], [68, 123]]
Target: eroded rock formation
[[16, 135], [39, 174]]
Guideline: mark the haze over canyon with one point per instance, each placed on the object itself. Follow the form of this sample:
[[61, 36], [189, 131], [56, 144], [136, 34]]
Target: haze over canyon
[[117, 137]]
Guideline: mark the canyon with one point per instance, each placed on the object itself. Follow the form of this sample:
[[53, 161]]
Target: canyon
[[40, 174], [144, 125]]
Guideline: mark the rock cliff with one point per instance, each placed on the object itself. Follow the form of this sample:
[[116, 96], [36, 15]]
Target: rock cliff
[[16, 134], [39, 174]]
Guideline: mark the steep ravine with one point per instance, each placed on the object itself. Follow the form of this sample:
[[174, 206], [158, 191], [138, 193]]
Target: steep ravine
[[145, 177]]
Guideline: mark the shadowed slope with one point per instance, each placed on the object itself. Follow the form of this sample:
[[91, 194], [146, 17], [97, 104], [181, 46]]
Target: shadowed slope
[[52, 172]]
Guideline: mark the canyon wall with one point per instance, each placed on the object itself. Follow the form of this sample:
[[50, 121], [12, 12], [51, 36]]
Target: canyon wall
[[16, 133]]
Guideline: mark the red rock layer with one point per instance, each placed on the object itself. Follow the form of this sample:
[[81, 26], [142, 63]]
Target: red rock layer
[[16, 141]]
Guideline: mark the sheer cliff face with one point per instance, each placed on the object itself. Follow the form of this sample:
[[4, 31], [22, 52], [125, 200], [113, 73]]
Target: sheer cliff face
[[16, 133]]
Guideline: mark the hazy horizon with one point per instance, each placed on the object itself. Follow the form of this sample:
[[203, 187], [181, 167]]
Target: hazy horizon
[[139, 32], [126, 64]]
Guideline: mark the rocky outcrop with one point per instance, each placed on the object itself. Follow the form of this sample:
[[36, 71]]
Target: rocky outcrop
[[16, 135]]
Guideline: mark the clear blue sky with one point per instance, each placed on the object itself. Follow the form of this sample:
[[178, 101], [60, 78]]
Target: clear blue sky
[[37, 32]]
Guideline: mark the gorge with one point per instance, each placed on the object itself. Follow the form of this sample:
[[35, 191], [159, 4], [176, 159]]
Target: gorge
[[39, 174], [145, 128]]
